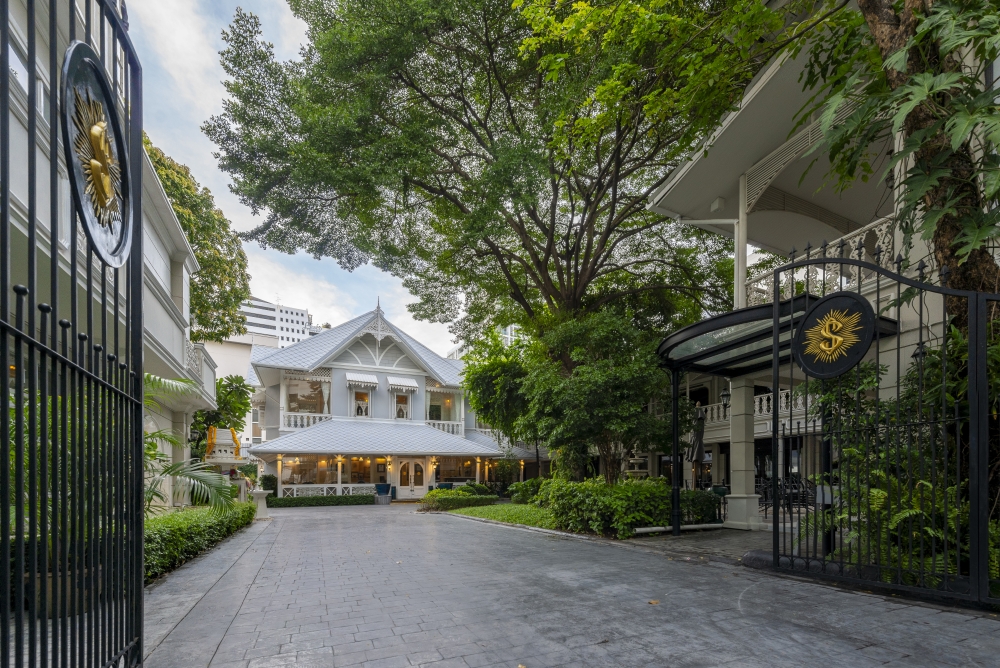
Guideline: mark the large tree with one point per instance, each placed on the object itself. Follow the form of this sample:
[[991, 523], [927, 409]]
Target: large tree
[[222, 284], [919, 74], [451, 143]]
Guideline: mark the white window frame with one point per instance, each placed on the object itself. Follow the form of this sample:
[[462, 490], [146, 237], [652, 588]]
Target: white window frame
[[409, 405]]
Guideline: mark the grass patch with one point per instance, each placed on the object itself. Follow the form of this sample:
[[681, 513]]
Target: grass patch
[[513, 513]]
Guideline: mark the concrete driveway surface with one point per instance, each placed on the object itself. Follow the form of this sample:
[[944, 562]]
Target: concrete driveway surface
[[386, 586]]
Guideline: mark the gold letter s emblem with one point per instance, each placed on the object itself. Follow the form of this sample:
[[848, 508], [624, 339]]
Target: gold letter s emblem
[[100, 164], [832, 342]]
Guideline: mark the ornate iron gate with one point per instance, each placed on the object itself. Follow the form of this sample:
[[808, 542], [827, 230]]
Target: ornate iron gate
[[893, 480], [71, 314]]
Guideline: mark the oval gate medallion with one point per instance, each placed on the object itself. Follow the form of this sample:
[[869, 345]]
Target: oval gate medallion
[[834, 335], [96, 154]]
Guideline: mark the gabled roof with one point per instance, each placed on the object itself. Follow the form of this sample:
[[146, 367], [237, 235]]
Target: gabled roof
[[309, 354], [257, 353], [349, 436]]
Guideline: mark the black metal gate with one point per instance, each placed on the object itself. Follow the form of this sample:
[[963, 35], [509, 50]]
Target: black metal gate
[[71, 315], [893, 408]]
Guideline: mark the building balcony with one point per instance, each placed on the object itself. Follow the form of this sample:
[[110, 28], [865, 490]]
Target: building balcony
[[790, 406], [874, 243], [297, 421], [449, 427]]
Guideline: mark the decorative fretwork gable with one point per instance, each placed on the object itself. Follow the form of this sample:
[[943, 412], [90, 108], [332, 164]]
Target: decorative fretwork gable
[[378, 327]]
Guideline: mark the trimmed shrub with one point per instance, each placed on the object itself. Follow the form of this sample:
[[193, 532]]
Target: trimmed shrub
[[170, 540], [450, 499], [473, 488], [525, 492], [305, 501], [269, 481], [617, 510]]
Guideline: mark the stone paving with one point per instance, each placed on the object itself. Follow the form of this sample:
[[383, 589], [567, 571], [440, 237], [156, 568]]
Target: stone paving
[[385, 587]]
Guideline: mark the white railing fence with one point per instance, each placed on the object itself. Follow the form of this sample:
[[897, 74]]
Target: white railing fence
[[873, 243], [456, 428], [763, 405], [325, 490], [302, 420]]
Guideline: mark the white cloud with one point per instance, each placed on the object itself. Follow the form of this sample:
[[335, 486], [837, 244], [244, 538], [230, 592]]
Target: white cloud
[[185, 46], [273, 281]]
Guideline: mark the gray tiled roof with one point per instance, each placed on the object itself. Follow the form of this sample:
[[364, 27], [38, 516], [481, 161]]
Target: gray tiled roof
[[309, 353], [519, 451], [257, 353], [343, 436]]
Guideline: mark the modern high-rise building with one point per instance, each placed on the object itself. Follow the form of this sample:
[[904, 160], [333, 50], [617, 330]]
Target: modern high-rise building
[[290, 325]]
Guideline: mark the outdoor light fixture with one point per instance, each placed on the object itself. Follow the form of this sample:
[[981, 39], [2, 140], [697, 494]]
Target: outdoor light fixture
[[725, 396]]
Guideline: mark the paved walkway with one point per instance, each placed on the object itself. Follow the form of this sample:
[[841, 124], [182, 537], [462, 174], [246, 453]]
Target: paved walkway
[[384, 586]]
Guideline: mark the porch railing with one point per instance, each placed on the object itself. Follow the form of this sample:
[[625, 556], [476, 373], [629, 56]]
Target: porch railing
[[873, 243], [456, 428], [763, 406], [326, 490], [302, 420]]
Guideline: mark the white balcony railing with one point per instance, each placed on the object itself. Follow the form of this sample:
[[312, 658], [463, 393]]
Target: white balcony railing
[[763, 406], [331, 489], [302, 420], [873, 243], [456, 428]]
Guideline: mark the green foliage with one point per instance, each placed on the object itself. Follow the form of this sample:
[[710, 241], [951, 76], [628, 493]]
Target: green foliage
[[249, 470], [474, 488], [203, 483], [920, 110], [592, 506], [269, 481], [429, 139], [170, 540], [232, 396], [449, 499], [526, 515], [492, 377], [222, 283], [309, 501], [525, 492], [595, 382]]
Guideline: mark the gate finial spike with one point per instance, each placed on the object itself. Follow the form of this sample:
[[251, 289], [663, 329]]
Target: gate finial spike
[[841, 246], [899, 262], [878, 254], [921, 266], [945, 272], [791, 253]]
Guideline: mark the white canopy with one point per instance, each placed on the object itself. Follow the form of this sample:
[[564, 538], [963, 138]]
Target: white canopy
[[361, 379], [402, 384]]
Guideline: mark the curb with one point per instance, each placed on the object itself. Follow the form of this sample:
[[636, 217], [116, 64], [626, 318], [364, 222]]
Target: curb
[[672, 556]]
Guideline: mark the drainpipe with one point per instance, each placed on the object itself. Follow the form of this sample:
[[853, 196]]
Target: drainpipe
[[740, 237]]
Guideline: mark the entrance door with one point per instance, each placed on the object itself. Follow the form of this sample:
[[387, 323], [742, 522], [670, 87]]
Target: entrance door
[[411, 480]]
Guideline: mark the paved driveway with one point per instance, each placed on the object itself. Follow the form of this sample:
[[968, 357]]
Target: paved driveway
[[384, 586]]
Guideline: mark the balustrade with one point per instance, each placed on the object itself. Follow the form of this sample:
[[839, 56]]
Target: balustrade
[[763, 405], [326, 490], [456, 428], [302, 420]]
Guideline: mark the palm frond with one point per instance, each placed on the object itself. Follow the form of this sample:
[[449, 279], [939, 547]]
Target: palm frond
[[157, 389], [206, 485]]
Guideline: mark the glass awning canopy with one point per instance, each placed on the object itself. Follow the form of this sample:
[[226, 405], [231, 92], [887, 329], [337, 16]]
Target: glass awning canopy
[[741, 342]]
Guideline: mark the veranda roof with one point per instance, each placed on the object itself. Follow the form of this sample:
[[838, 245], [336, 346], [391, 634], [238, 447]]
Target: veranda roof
[[349, 436], [741, 342]]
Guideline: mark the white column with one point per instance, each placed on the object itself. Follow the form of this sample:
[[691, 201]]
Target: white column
[[522, 471], [743, 512], [340, 475], [740, 237], [278, 493], [477, 470]]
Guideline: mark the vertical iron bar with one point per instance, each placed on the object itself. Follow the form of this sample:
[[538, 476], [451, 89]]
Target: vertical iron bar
[[19, 446], [979, 450], [675, 491], [776, 404], [5, 546]]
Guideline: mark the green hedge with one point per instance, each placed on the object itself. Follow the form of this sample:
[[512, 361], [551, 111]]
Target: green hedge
[[170, 540], [303, 501], [617, 510], [450, 499], [269, 481], [525, 492]]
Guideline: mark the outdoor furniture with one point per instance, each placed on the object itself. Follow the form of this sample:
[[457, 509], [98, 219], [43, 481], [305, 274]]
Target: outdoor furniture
[[446, 485], [382, 493]]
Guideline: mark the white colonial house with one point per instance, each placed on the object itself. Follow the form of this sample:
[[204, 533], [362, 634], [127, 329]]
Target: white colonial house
[[365, 404]]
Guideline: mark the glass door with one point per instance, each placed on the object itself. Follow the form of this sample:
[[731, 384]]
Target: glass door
[[411, 480]]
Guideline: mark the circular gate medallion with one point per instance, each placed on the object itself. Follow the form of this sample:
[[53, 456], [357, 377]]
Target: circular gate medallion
[[834, 335], [96, 154]]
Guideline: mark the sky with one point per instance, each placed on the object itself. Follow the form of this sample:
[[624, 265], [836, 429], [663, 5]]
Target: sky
[[178, 43]]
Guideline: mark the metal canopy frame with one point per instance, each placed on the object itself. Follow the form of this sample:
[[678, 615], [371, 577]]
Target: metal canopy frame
[[712, 360]]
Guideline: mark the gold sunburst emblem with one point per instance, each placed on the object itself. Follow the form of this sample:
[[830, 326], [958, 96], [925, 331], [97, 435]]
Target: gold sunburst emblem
[[833, 335], [95, 149]]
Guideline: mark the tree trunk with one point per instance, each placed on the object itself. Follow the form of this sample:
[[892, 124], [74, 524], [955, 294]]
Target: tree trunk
[[979, 272]]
